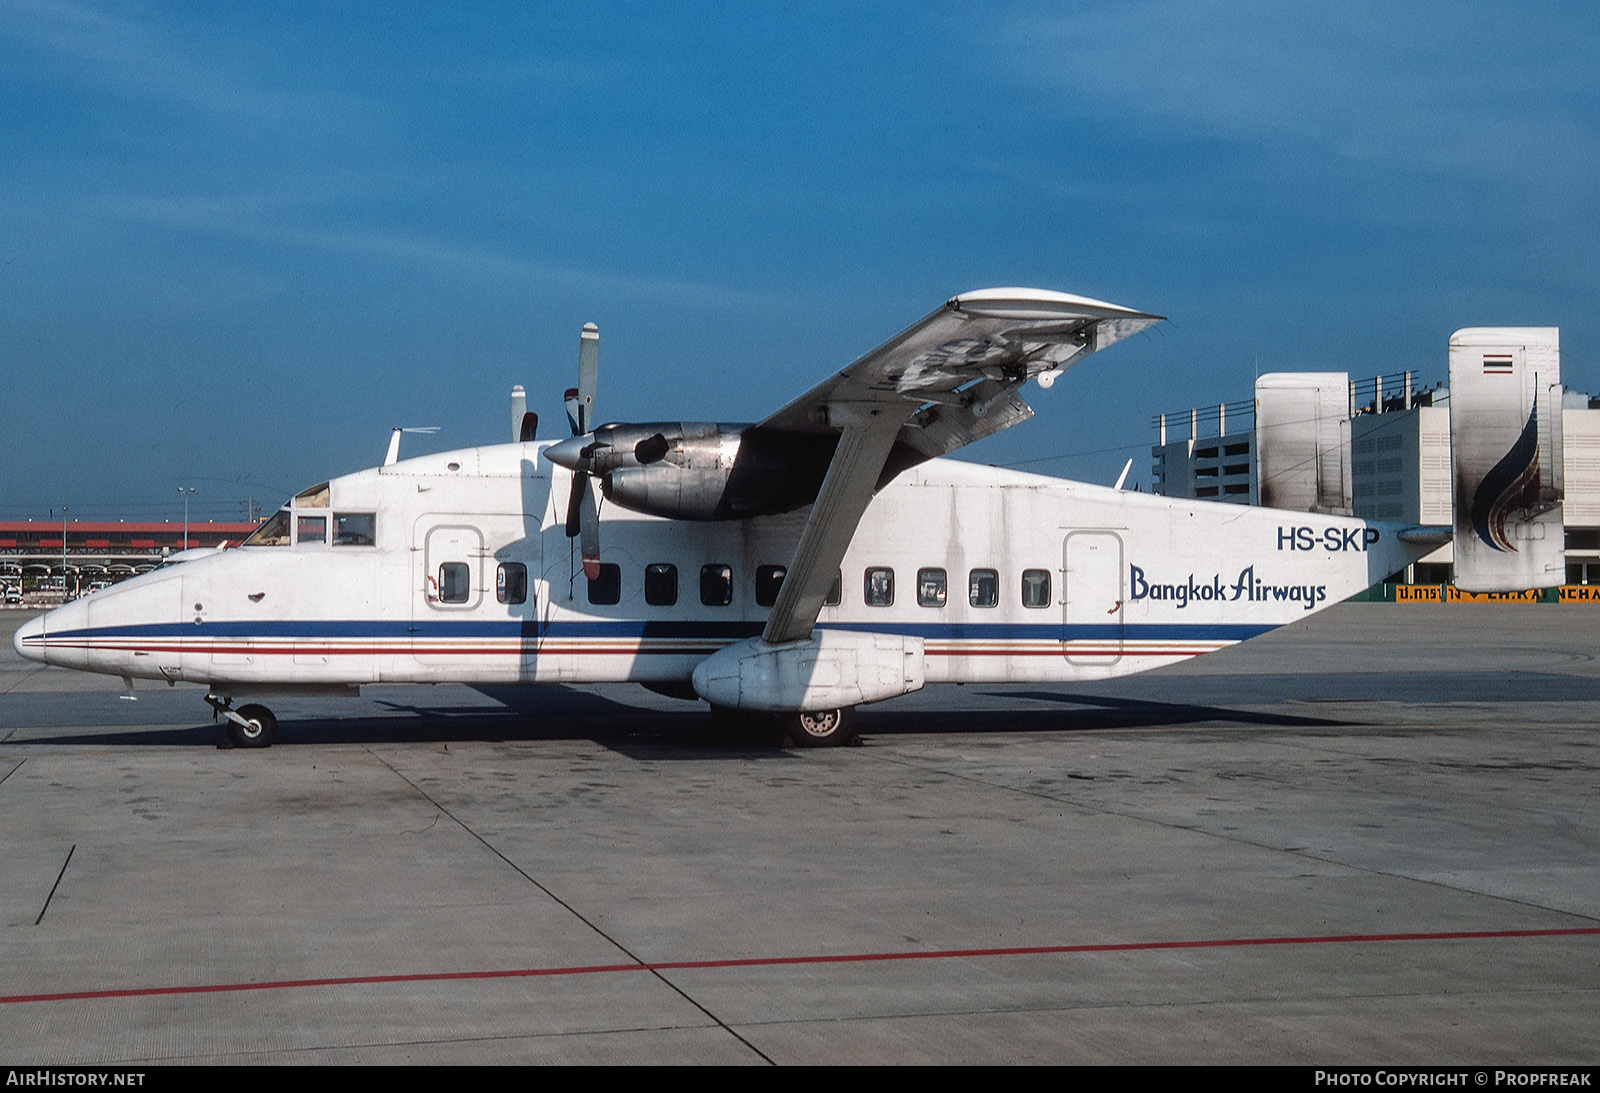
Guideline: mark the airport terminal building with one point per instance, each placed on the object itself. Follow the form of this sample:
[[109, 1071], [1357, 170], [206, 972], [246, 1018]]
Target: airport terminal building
[[1377, 448], [52, 556]]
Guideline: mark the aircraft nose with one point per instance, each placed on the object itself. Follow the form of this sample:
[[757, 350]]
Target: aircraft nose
[[28, 641]]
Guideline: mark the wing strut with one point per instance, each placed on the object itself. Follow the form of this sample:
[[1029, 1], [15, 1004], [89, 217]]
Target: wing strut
[[869, 432]]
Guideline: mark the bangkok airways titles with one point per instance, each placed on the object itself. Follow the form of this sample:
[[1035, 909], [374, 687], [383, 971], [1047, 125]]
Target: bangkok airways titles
[[1247, 587]]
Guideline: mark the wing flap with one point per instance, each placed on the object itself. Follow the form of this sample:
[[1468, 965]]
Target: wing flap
[[1005, 335], [940, 428]]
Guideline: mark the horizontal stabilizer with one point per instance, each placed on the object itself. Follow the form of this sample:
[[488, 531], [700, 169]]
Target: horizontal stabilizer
[[1505, 440]]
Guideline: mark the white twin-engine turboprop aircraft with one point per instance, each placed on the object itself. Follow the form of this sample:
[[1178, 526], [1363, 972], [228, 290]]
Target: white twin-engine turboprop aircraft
[[821, 559]]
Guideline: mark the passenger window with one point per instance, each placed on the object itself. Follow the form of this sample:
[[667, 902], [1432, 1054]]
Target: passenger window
[[455, 582], [983, 588], [878, 588], [931, 590], [311, 529], [355, 529], [607, 588], [769, 578], [835, 591], [716, 585], [660, 584], [511, 583], [1035, 588]]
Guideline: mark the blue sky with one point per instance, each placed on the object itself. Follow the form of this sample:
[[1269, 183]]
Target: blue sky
[[243, 242]]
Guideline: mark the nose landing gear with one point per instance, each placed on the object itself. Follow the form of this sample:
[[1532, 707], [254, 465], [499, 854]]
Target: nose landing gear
[[249, 726]]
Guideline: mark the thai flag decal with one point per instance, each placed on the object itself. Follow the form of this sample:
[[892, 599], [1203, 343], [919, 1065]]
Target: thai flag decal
[[1512, 484], [1497, 364]]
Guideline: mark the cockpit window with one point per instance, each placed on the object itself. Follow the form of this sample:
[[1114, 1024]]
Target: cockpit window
[[311, 530], [275, 532], [314, 498], [354, 529]]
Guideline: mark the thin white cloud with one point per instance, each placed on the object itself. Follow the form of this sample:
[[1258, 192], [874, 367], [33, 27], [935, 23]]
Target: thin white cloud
[[131, 51], [144, 54], [298, 218], [1431, 85]]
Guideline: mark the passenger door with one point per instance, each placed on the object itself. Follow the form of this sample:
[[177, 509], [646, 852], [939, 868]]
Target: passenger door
[[450, 586], [1093, 595]]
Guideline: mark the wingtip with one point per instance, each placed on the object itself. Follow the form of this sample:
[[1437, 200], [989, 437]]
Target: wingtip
[[1039, 303]]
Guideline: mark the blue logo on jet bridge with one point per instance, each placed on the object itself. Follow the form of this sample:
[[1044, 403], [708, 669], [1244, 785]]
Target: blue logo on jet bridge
[[1248, 587]]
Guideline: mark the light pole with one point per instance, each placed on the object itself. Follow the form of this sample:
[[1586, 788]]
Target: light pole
[[186, 491], [63, 553]]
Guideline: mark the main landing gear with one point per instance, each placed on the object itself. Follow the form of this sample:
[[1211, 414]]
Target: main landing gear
[[821, 728], [806, 729], [249, 726]]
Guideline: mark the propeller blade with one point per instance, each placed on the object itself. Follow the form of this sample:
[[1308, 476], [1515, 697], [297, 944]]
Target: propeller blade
[[589, 535], [519, 406], [588, 375], [583, 510], [580, 487], [530, 427], [583, 519], [574, 414]]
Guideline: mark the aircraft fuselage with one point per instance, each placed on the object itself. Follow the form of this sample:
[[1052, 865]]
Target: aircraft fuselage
[[469, 577]]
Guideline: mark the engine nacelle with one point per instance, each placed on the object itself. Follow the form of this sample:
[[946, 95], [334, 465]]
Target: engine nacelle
[[689, 470], [676, 469]]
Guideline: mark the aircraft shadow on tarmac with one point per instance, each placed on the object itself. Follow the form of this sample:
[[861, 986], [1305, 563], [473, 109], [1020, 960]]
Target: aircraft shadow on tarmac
[[554, 712], [1103, 712]]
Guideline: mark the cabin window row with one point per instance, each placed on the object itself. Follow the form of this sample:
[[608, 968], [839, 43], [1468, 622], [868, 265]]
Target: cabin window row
[[877, 587], [661, 584], [933, 587]]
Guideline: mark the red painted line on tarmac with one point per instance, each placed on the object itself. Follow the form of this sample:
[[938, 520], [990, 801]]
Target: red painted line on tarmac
[[780, 961]]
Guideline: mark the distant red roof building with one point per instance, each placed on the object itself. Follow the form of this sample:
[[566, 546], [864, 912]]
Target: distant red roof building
[[114, 535]]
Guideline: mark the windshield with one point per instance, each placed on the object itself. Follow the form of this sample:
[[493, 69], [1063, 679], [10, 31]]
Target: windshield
[[275, 532]]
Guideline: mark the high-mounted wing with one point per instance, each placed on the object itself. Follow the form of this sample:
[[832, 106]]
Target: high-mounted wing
[[944, 382], [955, 374]]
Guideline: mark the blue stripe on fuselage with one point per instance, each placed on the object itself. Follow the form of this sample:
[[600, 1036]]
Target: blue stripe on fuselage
[[415, 630]]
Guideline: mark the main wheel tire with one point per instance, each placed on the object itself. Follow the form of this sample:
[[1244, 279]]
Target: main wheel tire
[[821, 728], [261, 731]]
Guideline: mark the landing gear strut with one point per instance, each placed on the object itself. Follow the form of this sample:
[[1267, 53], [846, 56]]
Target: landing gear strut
[[249, 726]]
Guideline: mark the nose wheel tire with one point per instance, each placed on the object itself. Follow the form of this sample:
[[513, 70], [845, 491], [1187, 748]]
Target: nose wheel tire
[[821, 728], [259, 730]]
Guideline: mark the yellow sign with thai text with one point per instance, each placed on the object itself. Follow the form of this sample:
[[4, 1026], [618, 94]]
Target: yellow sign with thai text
[[1452, 594]]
